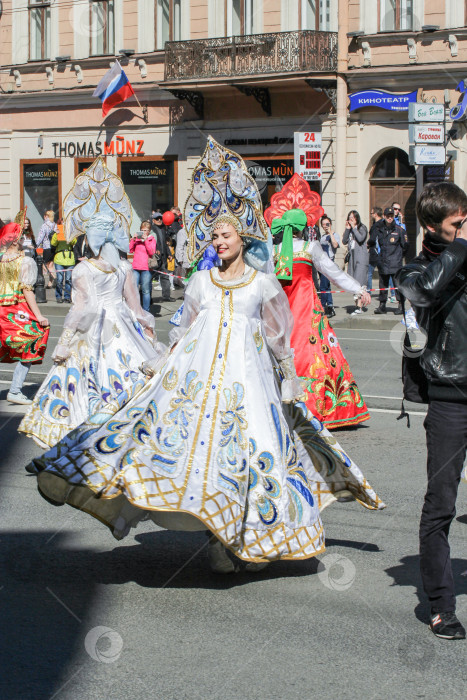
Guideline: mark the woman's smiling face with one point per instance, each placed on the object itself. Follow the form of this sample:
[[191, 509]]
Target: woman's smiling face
[[227, 242]]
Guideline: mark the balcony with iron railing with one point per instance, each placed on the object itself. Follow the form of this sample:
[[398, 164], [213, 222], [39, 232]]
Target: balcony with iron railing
[[265, 55]]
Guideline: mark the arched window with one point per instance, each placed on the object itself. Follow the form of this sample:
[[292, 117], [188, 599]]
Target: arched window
[[393, 163]]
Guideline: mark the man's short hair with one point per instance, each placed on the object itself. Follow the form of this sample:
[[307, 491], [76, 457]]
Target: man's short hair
[[378, 211], [439, 200]]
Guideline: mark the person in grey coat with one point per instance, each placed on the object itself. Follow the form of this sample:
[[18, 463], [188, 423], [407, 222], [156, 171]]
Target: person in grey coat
[[355, 238]]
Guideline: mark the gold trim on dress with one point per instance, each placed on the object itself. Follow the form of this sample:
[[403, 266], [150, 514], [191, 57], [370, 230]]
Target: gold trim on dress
[[233, 286]]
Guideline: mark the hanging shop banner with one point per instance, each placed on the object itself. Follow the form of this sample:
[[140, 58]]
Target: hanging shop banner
[[424, 133], [426, 112], [427, 155], [307, 154], [438, 173], [381, 99]]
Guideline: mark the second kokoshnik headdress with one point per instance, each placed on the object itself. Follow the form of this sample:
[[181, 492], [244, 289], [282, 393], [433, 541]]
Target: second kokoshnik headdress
[[293, 208], [222, 190], [98, 206]]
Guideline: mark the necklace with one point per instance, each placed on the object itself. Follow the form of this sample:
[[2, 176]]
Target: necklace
[[106, 272]]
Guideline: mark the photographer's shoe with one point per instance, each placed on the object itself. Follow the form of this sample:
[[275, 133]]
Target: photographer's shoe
[[381, 309], [398, 311], [445, 625]]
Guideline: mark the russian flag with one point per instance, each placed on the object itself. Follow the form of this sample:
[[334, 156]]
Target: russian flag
[[113, 88]]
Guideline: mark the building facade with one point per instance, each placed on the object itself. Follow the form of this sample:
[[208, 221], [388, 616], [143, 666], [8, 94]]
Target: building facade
[[249, 72]]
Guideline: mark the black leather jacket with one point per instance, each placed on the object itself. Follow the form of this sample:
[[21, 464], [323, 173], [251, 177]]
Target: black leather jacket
[[435, 283]]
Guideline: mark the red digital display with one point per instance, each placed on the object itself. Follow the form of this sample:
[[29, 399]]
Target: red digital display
[[313, 160]]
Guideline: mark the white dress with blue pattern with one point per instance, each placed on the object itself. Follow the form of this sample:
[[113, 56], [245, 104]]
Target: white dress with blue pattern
[[207, 442], [107, 345]]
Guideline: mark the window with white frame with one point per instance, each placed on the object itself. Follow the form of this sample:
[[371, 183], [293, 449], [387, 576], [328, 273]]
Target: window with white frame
[[395, 15], [102, 27], [243, 17], [168, 21], [39, 29], [315, 14]]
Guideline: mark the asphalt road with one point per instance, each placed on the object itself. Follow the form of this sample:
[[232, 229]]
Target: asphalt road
[[85, 617]]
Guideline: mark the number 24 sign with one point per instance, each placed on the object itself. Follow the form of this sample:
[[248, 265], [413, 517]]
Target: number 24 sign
[[307, 154]]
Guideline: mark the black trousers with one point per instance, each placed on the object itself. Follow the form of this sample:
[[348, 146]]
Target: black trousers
[[384, 284], [446, 439], [164, 282]]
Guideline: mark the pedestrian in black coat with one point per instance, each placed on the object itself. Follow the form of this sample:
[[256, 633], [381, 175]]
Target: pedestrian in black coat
[[393, 243]]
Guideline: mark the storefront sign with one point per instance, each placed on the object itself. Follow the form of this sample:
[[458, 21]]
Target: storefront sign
[[276, 141], [427, 155], [438, 173], [91, 149], [426, 112], [37, 174], [422, 133], [270, 171], [145, 173], [307, 154], [382, 99]]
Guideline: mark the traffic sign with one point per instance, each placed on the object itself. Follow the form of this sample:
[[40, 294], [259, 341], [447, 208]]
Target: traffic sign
[[426, 112], [307, 154], [426, 133]]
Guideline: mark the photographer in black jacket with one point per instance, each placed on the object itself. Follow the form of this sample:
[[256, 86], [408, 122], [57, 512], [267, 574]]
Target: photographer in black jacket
[[393, 243], [435, 284]]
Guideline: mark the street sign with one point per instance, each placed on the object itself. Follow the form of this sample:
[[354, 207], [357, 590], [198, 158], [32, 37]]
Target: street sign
[[427, 155], [424, 133], [307, 154], [426, 112]]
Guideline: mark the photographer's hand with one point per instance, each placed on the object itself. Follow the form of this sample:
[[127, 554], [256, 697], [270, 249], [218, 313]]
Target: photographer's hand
[[462, 230]]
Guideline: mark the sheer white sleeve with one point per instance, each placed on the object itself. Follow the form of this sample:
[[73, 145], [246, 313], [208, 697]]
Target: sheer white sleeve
[[278, 324], [191, 307], [131, 295], [81, 314], [28, 273], [329, 269]]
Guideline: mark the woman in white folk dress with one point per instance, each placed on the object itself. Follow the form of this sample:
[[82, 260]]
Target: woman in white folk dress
[[214, 440], [106, 335]]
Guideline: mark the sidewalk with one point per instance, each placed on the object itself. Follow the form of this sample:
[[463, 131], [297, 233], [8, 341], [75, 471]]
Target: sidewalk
[[344, 305]]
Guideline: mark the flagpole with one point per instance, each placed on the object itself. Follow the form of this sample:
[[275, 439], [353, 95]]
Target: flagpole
[[143, 109]]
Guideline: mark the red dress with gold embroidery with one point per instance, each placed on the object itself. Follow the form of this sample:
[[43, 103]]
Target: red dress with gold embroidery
[[332, 393], [22, 338]]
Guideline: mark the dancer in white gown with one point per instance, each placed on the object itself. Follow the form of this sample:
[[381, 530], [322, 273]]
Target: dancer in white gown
[[106, 335], [213, 441]]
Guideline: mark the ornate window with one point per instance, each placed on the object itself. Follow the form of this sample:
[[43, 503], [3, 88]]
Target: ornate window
[[102, 27], [39, 29], [395, 15]]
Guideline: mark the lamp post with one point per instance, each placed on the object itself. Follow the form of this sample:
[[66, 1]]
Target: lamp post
[[41, 297]]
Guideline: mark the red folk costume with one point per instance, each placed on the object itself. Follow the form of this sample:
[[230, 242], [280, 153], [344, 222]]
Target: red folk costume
[[332, 393], [21, 336]]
